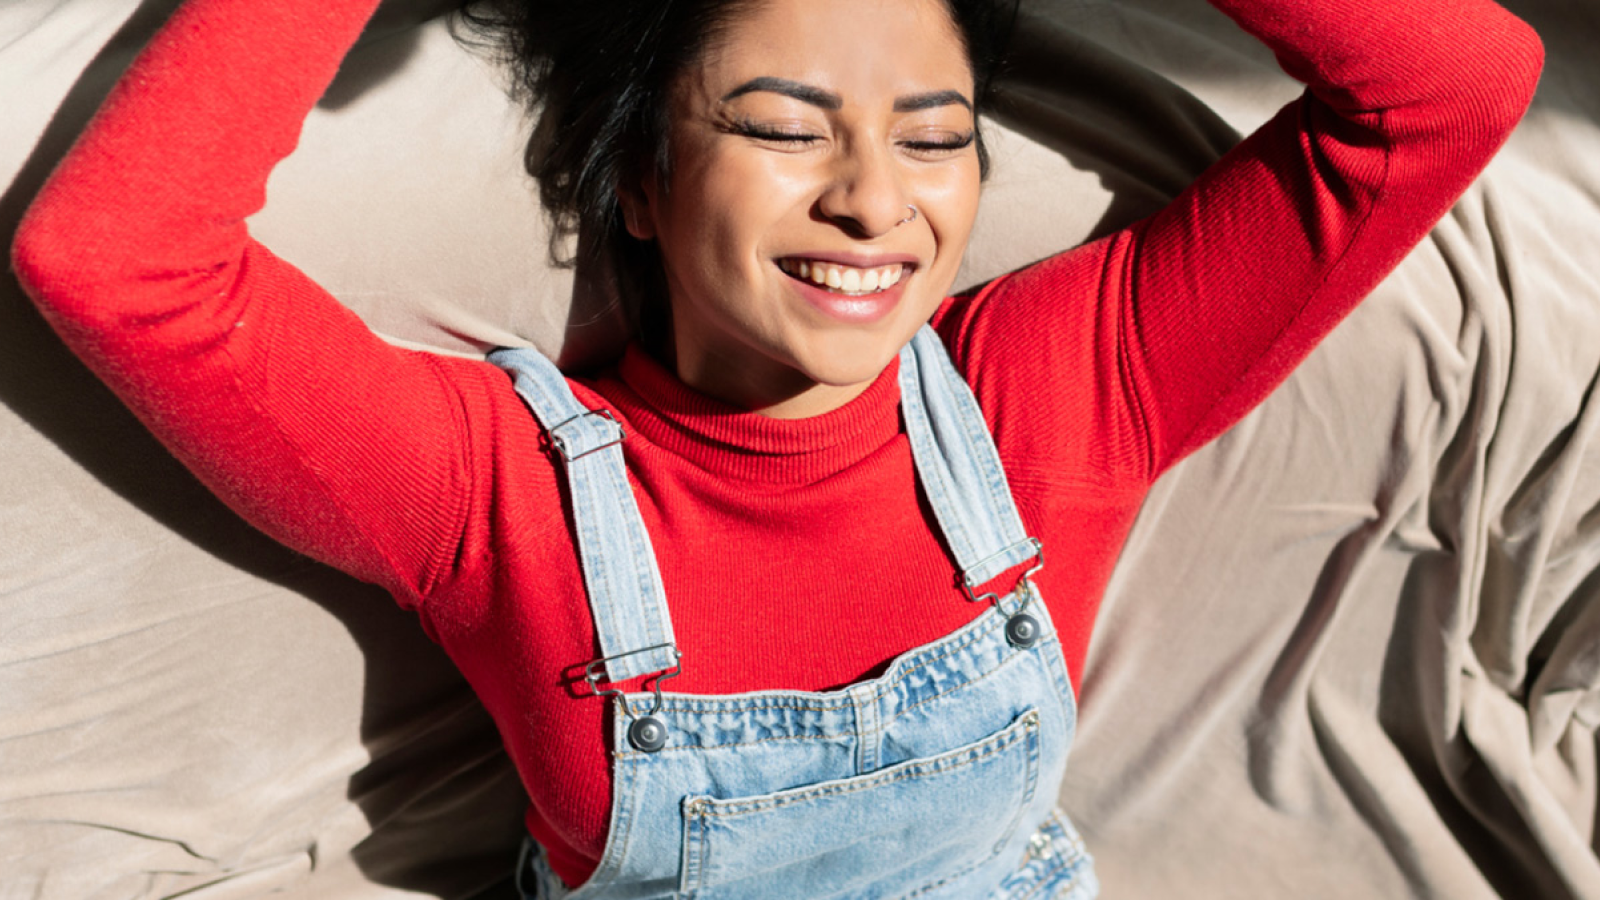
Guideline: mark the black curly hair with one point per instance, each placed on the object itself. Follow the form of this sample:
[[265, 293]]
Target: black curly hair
[[597, 74]]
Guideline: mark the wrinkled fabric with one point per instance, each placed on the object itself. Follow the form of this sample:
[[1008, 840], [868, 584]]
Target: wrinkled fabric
[[1377, 679]]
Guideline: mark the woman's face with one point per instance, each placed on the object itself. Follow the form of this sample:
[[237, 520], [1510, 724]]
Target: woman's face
[[798, 149]]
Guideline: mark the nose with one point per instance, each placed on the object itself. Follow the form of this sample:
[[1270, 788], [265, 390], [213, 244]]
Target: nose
[[864, 195]]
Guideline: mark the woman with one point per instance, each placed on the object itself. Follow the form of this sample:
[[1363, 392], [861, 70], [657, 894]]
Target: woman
[[870, 687]]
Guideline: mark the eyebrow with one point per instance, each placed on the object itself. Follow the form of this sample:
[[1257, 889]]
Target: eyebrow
[[931, 100], [828, 100], [805, 93]]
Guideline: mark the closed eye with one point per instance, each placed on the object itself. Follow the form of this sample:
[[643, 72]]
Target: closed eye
[[772, 133], [942, 145]]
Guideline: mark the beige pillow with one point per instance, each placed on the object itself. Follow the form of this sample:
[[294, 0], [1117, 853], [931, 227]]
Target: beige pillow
[[1348, 651]]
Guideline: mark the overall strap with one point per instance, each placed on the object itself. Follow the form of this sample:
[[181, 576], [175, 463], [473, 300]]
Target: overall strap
[[619, 565], [958, 464]]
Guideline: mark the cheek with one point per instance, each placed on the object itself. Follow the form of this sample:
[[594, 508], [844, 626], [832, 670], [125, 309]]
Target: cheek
[[760, 191], [958, 187], [952, 203], [724, 209]]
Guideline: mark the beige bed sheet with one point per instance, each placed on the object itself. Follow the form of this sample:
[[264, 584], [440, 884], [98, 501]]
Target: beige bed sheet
[[1351, 649]]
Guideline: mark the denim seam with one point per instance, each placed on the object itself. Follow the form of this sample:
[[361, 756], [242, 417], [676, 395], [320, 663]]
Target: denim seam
[[1061, 862], [1031, 785], [869, 732], [844, 703], [694, 854], [622, 779], [975, 755], [885, 723], [669, 751], [841, 736], [981, 678], [1075, 857]]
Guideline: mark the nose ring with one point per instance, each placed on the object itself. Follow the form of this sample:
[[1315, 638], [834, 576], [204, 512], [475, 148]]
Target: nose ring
[[910, 218]]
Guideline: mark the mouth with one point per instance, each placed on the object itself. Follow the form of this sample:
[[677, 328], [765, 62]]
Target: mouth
[[844, 280]]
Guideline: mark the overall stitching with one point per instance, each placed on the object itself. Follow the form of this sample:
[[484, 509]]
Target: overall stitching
[[841, 735], [915, 769]]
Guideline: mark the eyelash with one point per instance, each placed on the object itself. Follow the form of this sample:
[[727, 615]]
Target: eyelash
[[764, 133], [760, 132], [960, 143]]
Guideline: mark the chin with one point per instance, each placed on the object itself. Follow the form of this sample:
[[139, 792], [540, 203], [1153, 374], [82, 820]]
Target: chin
[[850, 367]]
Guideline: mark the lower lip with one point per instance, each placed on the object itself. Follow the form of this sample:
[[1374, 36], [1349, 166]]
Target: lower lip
[[861, 310]]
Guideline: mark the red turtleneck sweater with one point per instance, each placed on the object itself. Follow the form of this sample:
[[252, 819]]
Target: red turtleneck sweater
[[795, 554]]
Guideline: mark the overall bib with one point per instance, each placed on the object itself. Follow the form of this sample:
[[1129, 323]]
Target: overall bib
[[937, 779]]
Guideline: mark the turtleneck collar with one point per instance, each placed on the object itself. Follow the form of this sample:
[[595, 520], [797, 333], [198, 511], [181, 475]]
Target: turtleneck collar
[[736, 443]]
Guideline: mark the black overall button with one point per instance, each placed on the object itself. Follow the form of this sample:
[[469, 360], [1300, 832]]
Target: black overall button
[[647, 734], [1022, 630]]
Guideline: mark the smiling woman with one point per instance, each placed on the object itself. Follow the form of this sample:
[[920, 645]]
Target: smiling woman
[[747, 138], [815, 492], [803, 137]]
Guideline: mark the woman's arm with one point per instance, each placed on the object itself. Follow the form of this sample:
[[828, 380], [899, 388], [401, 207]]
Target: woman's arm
[[1190, 318], [277, 397]]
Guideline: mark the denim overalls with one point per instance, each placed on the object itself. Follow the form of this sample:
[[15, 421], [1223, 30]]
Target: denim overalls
[[937, 779]]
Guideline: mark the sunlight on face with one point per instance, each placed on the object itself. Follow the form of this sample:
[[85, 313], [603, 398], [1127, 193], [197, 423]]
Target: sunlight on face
[[795, 267]]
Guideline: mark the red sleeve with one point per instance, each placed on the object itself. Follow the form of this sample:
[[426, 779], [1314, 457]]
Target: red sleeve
[[277, 397], [1143, 346]]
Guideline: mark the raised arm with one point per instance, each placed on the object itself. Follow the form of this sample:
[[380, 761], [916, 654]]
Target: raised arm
[[277, 397], [1191, 317]]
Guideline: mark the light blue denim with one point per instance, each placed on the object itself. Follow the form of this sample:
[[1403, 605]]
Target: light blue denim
[[937, 779]]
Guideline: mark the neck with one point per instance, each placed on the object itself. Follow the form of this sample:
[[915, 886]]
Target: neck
[[777, 391], [819, 399]]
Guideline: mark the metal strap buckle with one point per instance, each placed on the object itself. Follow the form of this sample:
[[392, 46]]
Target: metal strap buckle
[[969, 588], [592, 673], [561, 443]]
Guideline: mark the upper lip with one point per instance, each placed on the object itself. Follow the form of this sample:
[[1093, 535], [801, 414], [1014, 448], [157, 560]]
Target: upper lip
[[856, 259]]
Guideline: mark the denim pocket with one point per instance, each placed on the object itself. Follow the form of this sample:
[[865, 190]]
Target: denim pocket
[[900, 831]]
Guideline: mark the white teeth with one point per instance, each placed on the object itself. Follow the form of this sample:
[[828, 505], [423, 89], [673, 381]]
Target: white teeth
[[844, 279]]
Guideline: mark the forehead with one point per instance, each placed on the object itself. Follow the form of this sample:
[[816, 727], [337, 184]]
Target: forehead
[[857, 48]]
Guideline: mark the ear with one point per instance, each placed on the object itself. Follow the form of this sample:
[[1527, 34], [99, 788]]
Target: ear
[[636, 195]]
